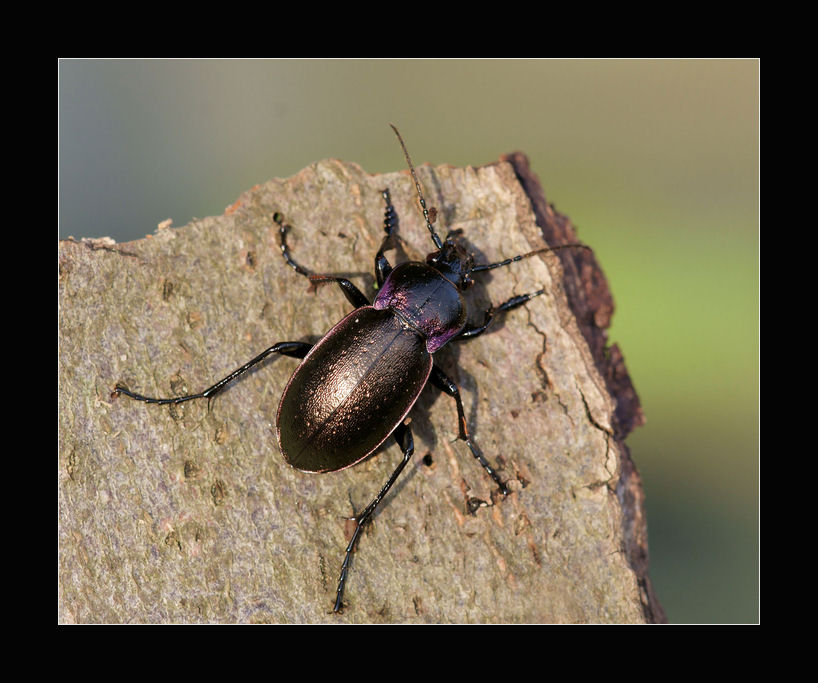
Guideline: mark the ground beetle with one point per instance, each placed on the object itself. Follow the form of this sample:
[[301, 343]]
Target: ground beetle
[[355, 387]]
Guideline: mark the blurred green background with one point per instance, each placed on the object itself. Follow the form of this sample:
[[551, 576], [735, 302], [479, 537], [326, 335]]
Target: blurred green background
[[655, 161]]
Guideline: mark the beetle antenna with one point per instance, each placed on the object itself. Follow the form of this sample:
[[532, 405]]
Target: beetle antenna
[[500, 264], [435, 237]]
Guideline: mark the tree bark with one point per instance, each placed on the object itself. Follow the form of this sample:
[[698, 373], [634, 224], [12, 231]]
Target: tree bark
[[188, 513]]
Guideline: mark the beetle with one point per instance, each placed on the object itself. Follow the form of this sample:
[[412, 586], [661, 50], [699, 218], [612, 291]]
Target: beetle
[[355, 387]]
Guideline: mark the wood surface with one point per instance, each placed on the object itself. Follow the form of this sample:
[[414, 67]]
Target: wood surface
[[188, 514]]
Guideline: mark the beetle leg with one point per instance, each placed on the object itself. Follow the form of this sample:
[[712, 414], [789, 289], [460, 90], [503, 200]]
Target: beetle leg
[[295, 349], [447, 386], [354, 295], [278, 219], [403, 435], [390, 224], [471, 332]]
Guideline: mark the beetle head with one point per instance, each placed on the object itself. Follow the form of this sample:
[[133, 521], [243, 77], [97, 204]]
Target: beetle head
[[453, 261]]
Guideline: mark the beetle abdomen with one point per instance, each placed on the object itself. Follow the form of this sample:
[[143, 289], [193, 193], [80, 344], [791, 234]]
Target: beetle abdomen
[[351, 391]]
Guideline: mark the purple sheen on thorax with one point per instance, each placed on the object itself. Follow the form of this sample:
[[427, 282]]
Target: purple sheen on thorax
[[436, 331], [425, 301], [438, 337], [385, 295]]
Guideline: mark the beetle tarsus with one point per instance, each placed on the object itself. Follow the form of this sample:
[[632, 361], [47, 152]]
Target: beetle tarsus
[[390, 225]]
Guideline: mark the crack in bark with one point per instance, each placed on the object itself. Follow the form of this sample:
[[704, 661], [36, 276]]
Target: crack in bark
[[103, 244]]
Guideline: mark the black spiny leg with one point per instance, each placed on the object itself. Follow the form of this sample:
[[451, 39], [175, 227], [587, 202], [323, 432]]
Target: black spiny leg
[[403, 435], [390, 224], [354, 295], [442, 382], [513, 302], [295, 349]]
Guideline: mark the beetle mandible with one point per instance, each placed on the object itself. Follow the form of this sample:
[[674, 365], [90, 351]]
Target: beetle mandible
[[355, 387]]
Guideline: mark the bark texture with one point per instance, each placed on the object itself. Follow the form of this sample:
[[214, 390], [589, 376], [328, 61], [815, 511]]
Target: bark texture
[[188, 513]]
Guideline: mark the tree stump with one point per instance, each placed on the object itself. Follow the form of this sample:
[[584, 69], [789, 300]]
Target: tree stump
[[188, 513]]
